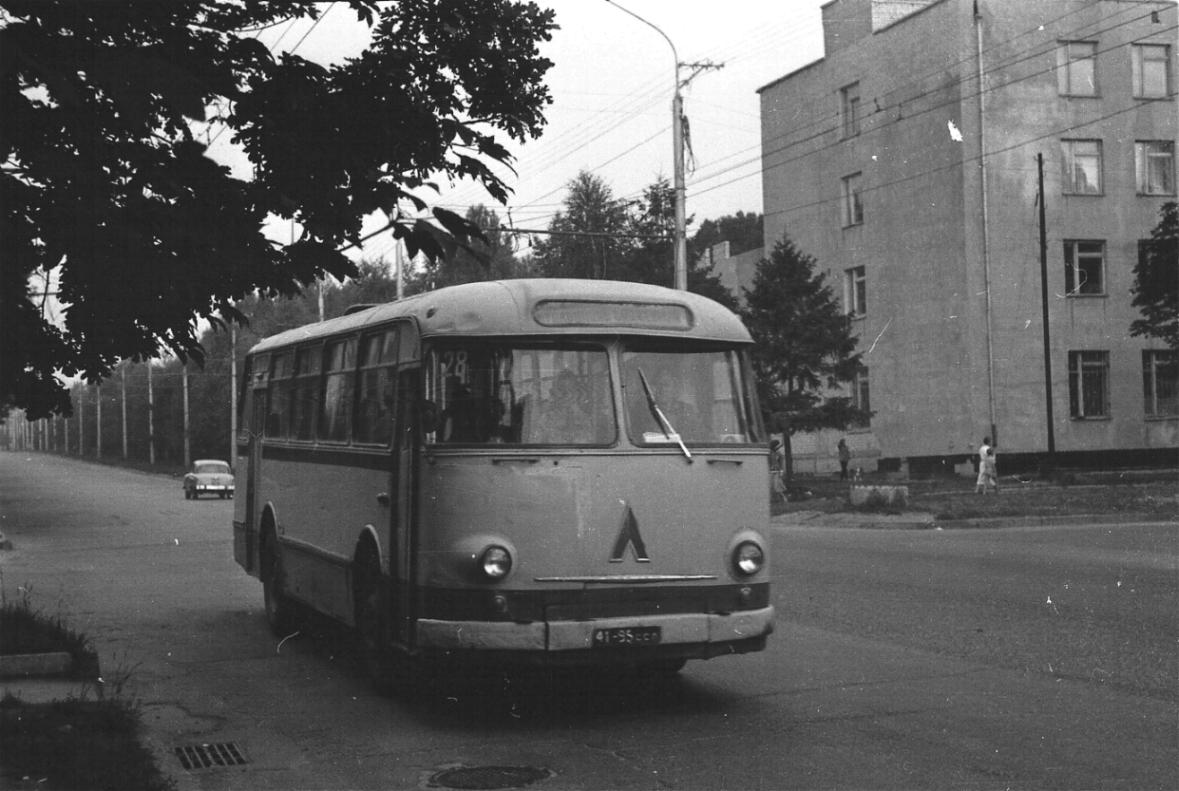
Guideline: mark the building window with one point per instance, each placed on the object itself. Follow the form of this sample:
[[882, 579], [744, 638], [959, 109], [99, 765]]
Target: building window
[[860, 397], [1151, 65], [849, 104], [855, 292], [1154, 167], [1088, 385], [1160, 383], [1076, 68], [1084, 266], [853, 207], [1082, 166]]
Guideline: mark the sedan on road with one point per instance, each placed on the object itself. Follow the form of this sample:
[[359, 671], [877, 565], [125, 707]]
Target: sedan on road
[[208, 476]]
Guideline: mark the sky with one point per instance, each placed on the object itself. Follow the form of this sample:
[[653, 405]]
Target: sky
[[612, 84]]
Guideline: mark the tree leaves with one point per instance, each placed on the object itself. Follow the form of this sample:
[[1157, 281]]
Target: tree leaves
[[803, 342], [1156, 280], [106, 186]]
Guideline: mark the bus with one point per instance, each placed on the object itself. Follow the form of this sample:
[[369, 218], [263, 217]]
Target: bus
[[539, 472]]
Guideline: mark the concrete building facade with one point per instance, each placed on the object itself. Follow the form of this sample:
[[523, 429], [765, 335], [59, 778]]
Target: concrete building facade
[[906, 161]]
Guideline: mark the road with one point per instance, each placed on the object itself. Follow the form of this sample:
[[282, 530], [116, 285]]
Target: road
[[1020, 658]]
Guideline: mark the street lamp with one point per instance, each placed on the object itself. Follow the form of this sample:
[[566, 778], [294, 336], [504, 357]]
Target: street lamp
[[677, 132]]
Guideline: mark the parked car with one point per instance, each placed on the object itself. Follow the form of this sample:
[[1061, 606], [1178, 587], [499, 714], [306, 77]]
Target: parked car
[[208, 476]]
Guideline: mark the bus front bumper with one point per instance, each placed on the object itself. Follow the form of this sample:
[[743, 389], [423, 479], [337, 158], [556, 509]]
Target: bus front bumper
[[698, 634]]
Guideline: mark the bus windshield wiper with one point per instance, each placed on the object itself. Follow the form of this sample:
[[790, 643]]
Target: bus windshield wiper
[[664, 424]]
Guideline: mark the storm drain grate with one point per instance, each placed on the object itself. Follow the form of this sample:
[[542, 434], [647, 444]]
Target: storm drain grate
[[487, 778], [194, 757]]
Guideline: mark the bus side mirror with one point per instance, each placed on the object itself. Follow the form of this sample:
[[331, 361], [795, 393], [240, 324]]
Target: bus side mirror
[[430, 417]]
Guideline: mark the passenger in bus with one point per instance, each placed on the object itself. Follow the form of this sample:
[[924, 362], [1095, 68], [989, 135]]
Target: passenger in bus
[[564, 415]]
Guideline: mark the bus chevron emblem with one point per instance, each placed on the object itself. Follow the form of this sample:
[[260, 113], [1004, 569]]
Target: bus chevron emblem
[[629, 534]]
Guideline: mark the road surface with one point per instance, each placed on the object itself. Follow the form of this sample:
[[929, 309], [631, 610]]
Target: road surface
[[1022, 658]]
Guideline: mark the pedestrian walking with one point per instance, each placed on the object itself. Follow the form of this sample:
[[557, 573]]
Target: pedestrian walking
[[844, 458], [988, 472], [778, 468]]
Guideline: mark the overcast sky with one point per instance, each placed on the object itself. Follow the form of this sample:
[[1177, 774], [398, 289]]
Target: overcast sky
[[612, 84]]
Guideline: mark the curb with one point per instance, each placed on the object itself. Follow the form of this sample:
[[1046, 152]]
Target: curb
[[55, 663]]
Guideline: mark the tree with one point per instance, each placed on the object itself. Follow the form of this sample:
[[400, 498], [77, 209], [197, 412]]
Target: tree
[[109, 198], [803, 345], [587, 235], [1156, 280], [743, 231], [491, 258]]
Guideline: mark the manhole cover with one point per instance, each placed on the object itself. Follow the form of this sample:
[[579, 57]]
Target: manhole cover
[[485, 778], [208, 756]]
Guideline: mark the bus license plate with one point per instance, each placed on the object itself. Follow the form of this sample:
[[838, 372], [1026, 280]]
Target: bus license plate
[[627, 636]]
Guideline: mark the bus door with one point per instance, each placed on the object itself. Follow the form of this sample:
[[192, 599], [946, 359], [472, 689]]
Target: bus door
[[403, 482]]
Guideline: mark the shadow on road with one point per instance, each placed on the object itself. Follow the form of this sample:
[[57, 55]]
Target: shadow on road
[[470, 694]]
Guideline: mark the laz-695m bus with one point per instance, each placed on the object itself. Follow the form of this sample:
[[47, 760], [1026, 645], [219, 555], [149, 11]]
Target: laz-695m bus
[[546, 472]]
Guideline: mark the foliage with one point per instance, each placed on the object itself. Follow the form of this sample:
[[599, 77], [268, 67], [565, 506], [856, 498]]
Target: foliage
[[743, 231], [585, 237], [27, 631], [492, 258], [1156, 281], [803, 344], [77, 743], [599, 237], [107, 111]]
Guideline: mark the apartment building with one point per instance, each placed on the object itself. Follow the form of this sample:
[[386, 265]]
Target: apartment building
[[907, 161]]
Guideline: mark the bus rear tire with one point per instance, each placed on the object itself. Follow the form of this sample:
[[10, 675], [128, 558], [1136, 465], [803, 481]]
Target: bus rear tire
[[280, 611]]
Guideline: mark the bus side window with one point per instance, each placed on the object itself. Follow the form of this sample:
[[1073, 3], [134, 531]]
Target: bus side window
[[375, 398], [279, 396]]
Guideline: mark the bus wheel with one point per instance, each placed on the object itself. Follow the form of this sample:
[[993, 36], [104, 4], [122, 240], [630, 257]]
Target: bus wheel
[[280, 611], [370, 613]]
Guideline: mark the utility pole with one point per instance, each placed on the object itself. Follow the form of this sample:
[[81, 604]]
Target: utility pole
[[678, 123], [98, 422], [1044, 318], [184, 383], [151, 427], [677, 149], [124, 402], [233, 393]]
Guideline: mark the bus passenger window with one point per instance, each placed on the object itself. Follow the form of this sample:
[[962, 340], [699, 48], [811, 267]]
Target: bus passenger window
[[278, 409], [374, 402]]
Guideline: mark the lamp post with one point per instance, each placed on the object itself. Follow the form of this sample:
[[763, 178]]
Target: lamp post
[[677, 132]]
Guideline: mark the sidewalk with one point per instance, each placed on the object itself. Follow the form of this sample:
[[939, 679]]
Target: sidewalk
[[917, 520]]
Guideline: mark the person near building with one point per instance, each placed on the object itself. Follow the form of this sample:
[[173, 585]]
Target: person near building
[[844, 458]]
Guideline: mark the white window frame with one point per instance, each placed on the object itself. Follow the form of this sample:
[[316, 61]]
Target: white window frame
[[1156, 404], [849, 108], [1150, 71], [853, 204], [1088, 385], [1080, 158], [855, 292], [1084, 267], [1076, 68], [1154, 167]]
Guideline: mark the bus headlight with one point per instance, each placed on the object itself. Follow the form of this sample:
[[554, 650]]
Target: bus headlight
[[495, 562], [748, 559]]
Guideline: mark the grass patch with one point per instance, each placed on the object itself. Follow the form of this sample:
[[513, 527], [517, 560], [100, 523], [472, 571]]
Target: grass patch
[[76, 744], [24, 630], [951, 499]]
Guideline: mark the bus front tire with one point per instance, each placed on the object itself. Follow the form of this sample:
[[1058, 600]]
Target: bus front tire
[[280, 611]]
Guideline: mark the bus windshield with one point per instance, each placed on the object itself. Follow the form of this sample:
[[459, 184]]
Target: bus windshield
[[692, 396], [521, 394]]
